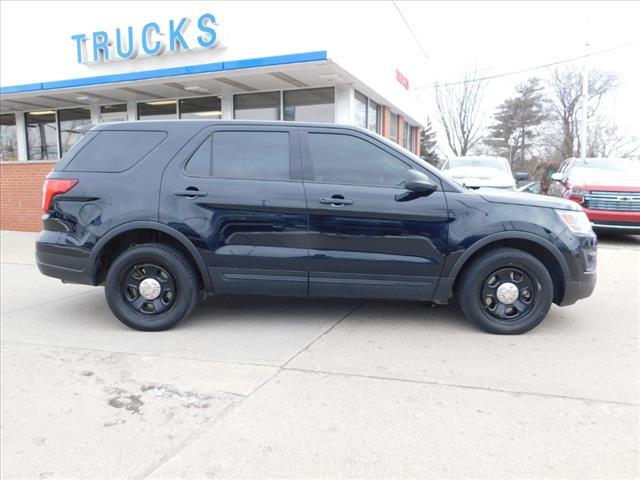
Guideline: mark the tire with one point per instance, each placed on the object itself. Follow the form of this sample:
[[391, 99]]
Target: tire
[[132, 276], [486, 298]]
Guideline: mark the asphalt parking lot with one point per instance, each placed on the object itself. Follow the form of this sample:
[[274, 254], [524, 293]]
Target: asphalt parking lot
[[271, 387]]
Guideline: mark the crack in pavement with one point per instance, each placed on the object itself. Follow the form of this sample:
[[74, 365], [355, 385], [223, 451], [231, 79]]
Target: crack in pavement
[[210, 425], [464, 386]]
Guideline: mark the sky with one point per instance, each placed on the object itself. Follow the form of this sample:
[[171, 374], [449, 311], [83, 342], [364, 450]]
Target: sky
[[498, 37]]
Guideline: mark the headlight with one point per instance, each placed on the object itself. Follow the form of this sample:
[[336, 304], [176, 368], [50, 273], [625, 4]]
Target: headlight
[[578, 222], [577, 195]]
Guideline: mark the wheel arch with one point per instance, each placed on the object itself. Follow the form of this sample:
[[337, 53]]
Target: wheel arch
[[140, 229], [541, 248]]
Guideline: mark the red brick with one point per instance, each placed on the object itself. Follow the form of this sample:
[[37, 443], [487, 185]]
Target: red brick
[[21, 195]]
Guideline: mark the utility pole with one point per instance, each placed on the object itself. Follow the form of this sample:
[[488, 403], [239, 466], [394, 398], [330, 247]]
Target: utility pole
[[585, 103]]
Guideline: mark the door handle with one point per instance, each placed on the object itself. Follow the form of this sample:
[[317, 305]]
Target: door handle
[[190, 192], [336, 201]]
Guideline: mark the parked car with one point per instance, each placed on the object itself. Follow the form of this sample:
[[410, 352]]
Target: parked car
[[163, 213], [607, 189], [482, 172], [531, 187]]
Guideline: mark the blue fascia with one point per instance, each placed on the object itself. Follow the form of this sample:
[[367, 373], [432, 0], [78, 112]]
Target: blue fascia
[[169, 72]]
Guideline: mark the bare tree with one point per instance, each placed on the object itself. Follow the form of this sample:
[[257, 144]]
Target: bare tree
[[606, 140], [566, 86], [459, 108]]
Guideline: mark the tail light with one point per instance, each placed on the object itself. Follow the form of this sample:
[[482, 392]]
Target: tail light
[[53, 187]]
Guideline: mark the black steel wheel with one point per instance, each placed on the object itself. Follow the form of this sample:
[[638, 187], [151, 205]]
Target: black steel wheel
[[151, 287], [508, 294], [506, 291], [148, 288]]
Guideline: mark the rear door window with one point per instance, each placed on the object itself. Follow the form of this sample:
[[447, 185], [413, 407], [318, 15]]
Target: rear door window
[[199, 164], [257, 155], [115, 150]]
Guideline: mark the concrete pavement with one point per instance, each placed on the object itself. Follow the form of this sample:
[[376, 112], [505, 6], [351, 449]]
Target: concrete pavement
[[253, 387]]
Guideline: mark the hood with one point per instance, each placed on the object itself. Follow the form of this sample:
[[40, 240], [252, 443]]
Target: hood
[[526, 199], [600, 179], [481, 177]]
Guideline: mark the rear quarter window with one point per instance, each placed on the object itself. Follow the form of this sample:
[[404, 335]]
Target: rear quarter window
[[113, 151]]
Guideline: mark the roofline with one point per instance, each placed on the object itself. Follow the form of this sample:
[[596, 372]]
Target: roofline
[[267, 123], [304, 57]]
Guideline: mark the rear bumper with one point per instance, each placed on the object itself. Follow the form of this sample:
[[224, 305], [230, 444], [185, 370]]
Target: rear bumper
[[66, 262]]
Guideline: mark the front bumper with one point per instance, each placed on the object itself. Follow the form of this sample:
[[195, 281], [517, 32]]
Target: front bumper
[[575, 290], [623, 222], [583, 262]]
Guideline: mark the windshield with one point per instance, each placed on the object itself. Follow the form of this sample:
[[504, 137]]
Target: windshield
[[606, 171], [495, 163]]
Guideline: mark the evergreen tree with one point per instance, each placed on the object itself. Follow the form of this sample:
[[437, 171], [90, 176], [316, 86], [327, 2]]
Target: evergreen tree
[[513, 132], [428, 144]]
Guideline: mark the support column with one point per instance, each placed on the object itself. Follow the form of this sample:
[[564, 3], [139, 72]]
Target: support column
[[227, 106], [343, 104], [95, 114], [132, 114], [21, 136]]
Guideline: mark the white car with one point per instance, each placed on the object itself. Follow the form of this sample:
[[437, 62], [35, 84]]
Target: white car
[[482, 172]]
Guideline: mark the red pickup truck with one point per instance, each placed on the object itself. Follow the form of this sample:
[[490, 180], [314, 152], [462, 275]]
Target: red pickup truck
[[608, 189]]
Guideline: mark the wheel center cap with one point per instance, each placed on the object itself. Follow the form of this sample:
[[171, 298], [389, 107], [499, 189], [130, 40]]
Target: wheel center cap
[[507, 293], [150, 288]]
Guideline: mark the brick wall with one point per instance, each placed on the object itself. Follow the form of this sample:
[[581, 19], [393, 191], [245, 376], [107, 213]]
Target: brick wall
[[386, 122], [21, 195]]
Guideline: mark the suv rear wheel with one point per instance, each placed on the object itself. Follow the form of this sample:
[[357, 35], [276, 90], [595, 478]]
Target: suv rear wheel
[[506, 291], [151, 287]]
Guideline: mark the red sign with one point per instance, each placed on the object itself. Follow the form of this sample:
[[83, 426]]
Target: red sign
[[402, 80]]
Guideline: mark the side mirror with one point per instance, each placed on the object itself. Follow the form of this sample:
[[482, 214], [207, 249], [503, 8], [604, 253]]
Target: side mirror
[[521, 176], [418, 182], [557, 176], [418, 185]]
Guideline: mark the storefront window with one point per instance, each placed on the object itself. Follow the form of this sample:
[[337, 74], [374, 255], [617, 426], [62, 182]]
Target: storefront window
[[360, 109], [405, 136], [203, 107], [113, 113], [42, 135], [393, 130], [257, 106], [157, 110], [70, 119], [310, 105], [374, 117], [8, 138]]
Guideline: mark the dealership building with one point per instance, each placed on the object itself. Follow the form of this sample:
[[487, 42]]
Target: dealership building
[[329, 62]]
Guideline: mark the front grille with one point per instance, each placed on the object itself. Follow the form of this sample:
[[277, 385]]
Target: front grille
[[613, 201]]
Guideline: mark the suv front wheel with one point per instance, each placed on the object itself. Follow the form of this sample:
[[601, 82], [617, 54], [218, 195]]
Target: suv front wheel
[[506, 291], [151, 287]]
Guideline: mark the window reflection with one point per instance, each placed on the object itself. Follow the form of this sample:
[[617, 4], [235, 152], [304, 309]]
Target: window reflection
[[310, 105], [202, 108], [257, 106], [42, 135], [70, 119], [157, 110], [8, 137]]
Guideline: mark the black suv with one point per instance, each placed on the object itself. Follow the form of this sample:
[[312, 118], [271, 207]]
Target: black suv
[[163, 213]]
